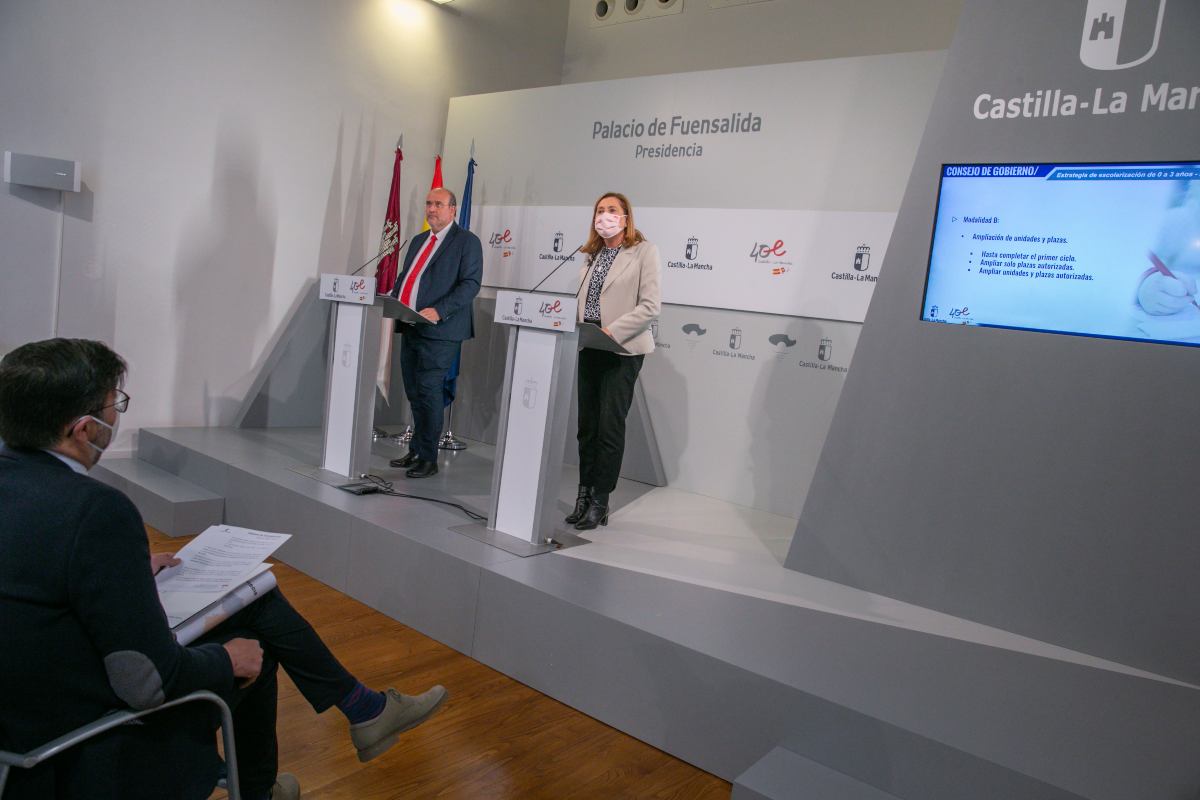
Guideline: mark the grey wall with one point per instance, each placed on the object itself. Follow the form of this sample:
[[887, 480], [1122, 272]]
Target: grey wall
[[773, 32], [1038, 483], [28, 262], [231, 152]]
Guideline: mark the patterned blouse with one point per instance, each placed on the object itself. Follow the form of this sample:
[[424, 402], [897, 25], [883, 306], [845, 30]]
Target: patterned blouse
[[604, 260]]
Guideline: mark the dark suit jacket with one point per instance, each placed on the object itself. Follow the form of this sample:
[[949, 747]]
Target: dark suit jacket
[[448, 285], [82, 632]]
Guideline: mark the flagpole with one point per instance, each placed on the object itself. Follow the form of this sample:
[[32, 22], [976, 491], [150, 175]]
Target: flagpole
[[449, 441]]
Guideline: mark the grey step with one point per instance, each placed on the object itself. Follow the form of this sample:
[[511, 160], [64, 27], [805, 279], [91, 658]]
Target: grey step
[[783, 775], [166, 502], [910, 767]]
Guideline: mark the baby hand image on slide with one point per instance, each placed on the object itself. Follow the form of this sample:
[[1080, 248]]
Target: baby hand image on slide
[[1166, 294], [1169, 286]]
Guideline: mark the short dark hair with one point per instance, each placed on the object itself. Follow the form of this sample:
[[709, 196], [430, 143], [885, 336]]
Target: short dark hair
[[45, 386]]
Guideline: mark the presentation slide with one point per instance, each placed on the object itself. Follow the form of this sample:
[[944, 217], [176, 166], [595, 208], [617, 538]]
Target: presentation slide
[[1105, 250]]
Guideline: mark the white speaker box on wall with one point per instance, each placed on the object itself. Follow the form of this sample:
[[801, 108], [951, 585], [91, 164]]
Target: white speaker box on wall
[[42, 172]]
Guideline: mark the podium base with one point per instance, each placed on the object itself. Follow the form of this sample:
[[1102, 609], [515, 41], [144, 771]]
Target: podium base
[[514, 545], [450, 442], [325, 476]]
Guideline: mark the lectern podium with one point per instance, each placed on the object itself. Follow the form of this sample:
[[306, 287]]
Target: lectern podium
[[538, 377], [353, 361]]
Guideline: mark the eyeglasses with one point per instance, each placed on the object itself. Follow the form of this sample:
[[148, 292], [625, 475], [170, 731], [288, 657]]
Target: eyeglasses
[[121, 404]]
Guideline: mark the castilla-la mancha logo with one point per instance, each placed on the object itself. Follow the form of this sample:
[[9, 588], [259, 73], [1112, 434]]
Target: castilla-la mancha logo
[[862, 258], [1101, 41]]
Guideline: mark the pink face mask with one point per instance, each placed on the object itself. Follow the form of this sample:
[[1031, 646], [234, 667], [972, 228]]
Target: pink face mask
[[609, 225]]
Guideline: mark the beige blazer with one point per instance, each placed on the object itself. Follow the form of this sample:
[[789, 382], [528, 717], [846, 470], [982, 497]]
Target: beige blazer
[[631, 297]]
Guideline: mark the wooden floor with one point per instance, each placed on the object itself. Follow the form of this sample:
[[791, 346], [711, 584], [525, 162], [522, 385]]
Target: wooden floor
[[494, 738]]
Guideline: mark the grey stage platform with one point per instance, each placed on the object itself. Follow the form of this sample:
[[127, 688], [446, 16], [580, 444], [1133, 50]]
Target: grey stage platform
[[787, 701]]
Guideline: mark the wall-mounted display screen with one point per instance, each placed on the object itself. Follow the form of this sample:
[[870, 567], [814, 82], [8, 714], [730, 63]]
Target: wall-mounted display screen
[[1107, 250]]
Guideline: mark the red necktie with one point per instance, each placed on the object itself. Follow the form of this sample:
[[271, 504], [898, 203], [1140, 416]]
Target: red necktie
[[406, 292]]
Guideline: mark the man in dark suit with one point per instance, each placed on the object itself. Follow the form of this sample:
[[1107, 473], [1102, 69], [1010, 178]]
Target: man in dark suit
[[77, 592], [442, 272], [82, 631]]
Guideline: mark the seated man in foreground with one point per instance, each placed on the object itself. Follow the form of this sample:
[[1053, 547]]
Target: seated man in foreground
[[83, 631]]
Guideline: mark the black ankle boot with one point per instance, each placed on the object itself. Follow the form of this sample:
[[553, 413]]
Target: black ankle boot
[[596, 514], [582, 501]]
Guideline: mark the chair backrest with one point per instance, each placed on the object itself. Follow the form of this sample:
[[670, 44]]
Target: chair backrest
[[113, 719]]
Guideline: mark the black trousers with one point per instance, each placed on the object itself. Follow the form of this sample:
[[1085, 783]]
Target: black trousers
[[424, 364], [173, 753], [606, 382], [168, 754], [287, 640]]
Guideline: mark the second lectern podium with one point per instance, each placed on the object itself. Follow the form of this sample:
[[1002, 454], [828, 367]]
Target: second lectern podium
[[539, 375]]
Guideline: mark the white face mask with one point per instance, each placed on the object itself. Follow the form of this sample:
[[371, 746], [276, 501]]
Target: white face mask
[[609, 225], [112, 431]]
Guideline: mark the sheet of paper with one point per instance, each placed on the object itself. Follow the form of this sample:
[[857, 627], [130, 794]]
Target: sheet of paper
[[218, 559], [191, 627]]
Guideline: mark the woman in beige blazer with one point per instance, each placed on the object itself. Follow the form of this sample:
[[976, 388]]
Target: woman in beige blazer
[[619, 291]]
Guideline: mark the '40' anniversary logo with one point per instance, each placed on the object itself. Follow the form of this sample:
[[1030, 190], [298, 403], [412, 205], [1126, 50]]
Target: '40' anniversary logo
[[771, 253], [502, 240], [763, 252]]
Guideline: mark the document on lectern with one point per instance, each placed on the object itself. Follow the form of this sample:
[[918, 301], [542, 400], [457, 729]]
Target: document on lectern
[[222, 571], [394, 309], [590, 335]]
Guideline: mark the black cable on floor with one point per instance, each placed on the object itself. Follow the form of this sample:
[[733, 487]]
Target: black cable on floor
[[385, 487]]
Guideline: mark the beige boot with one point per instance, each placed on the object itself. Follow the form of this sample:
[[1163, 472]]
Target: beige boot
[[400, 713], [286, 787]]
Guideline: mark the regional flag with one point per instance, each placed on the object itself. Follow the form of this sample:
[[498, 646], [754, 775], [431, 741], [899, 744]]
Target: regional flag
[[385, 274]]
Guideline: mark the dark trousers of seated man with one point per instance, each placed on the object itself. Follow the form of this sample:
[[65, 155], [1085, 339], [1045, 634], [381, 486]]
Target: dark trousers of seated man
[[173, 753], [289, 641], [423, 365]]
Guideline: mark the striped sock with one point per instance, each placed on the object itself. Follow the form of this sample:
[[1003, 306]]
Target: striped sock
[[362, 704]]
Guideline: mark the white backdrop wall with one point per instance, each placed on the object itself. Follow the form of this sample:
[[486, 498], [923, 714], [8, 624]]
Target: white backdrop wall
[[231, 151], [741, 398]]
